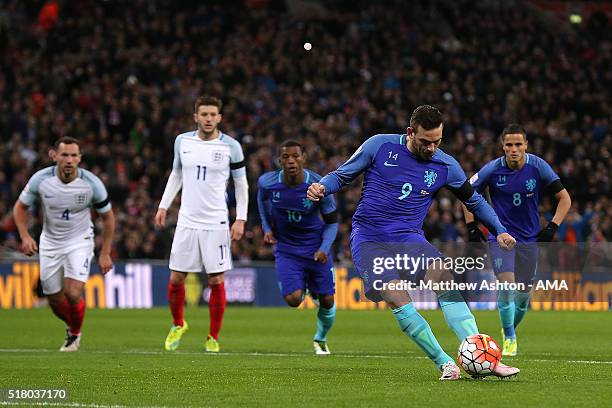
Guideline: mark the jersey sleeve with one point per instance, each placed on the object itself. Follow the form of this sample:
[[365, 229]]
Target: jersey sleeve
[[330, 217], [355, 165], [261, 204], [456, 177], [237, 164], [484, 212], [547, 174], [475, 203], [176, 164], [100, 200], [328, 205], [30, 192], [480, 180]]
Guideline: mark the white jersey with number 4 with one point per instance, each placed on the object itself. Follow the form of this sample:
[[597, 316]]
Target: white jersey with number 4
[[67, 215], [205, 166]]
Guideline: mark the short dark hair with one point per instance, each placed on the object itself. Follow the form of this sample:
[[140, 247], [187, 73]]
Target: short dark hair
[[513, 128], [426, 116], [207, 100], [66, 140], [290, 143]]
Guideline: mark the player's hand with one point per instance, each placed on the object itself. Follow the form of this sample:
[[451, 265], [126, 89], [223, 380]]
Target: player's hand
[[548, 232], [29, 246], [269, 238], [474, 233], [315, 192], [237, 230], [506, 241], [320, 256], [160, 217], [106, 263]]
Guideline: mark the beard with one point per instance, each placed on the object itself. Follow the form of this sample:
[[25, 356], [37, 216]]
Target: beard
[[207, 132]]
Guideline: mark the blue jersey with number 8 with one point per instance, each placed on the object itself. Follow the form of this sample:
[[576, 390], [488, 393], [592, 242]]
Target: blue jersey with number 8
[[515, 194]]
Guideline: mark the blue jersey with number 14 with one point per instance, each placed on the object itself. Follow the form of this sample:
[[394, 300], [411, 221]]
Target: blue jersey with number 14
[[515, 194], [398, 187]]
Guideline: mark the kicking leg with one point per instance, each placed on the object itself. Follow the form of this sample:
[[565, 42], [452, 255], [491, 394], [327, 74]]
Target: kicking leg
[[456, 311], [413, 325]]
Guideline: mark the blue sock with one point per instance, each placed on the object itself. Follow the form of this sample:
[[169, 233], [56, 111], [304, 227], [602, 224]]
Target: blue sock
[[414, 326], [506, 307], [521, 303], [457, 314], [325, 321]]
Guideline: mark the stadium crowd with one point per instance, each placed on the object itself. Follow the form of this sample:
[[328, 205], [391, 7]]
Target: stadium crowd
[[122, 77]]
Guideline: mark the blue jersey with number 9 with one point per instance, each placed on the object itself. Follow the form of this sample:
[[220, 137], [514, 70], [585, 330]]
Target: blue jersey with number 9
[[398, 187]]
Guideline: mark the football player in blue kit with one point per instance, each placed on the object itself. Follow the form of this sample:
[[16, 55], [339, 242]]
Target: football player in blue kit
[[402, 174], [302, 239], [516, 183]]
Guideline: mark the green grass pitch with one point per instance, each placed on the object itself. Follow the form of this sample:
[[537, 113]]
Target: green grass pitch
[[266, 360]]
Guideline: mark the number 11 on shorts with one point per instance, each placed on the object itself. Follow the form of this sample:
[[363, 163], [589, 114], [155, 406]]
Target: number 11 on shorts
[[222, 250]]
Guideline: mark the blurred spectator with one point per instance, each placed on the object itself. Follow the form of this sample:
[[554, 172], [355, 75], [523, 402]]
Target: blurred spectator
[[122, 77]]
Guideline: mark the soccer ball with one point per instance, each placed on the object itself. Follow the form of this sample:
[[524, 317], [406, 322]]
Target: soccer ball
[[479, 355]]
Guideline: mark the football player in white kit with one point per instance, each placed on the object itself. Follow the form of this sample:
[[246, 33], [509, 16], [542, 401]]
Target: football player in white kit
[[203, 159], [67, 194]]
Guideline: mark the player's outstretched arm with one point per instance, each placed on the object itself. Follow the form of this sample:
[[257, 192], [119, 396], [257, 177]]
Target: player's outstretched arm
[[353, 167], [479, 206], [20, 214], [474, 232], [105, 260], [475, 202]]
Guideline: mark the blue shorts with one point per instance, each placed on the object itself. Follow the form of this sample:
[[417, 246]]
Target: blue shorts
[[294, 272], [414, 252], [522, 260]]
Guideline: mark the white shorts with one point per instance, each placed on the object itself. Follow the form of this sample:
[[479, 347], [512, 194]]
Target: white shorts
[[194, 249], [73, 263]]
